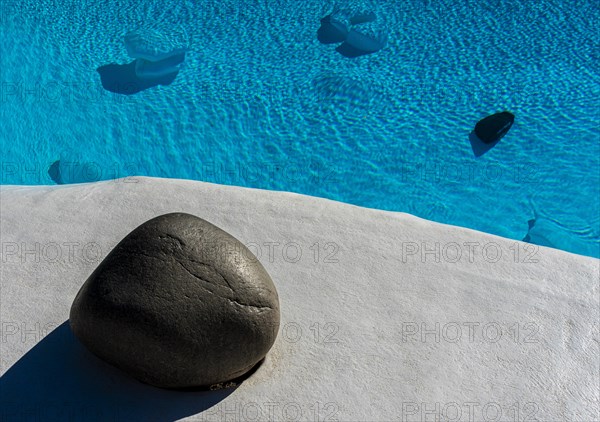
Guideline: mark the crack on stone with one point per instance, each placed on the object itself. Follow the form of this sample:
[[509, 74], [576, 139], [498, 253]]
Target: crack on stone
[[177, 240], [181, 245], [234, 300], [237, 302], [259, 308], [212, 267], [130, 252], [204, 280]]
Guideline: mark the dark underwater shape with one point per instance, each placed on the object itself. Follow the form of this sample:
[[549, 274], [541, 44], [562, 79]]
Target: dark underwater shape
[[332, 30], [492, 128], [543, 231], [358, 44], [54, 172], [539, 233], [122, 79], [530, 225], [478, 146]]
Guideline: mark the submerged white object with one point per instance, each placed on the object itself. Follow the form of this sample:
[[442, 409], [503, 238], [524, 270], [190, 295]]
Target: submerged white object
[[157, 55], [545, 232], [385, 316], [152, 45], [366, 43], [149, 69]]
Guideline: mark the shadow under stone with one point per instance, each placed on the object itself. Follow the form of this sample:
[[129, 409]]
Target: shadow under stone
[[351, 52], [122, 79], [59, 379], [478, 146], [54, 172]]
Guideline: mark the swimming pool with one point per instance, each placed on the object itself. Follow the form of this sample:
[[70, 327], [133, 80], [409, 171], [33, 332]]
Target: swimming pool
[[260, 102]]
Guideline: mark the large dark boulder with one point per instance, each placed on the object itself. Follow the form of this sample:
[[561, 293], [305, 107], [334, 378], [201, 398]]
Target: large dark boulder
[[178, 303], [491, 128]]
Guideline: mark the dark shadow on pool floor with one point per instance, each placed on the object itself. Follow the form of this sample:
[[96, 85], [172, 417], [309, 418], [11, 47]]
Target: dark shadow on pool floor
[[121, 79], [59, 380], [478, 146]]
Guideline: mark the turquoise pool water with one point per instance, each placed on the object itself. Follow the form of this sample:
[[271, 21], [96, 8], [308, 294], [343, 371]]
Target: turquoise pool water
[[260, 102]]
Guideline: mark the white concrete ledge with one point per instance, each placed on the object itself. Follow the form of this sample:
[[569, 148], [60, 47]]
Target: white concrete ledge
[[381, 320]]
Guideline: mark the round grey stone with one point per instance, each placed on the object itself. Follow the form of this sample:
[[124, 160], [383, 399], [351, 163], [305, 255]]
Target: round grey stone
[[178, 303]]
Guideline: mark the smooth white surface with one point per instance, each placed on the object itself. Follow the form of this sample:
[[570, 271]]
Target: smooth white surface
[[345, 350]]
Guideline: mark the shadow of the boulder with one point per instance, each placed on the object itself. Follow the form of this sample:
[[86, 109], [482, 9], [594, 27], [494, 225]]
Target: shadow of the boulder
[[543, 231], [122, 79], [478, 146], [59, 379], [351, 52], [54, 172]]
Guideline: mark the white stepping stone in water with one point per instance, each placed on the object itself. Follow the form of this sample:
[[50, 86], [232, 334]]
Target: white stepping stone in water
[[157, 55]]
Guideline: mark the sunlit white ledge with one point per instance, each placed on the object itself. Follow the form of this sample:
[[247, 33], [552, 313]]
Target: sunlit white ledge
[[381, 319]]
